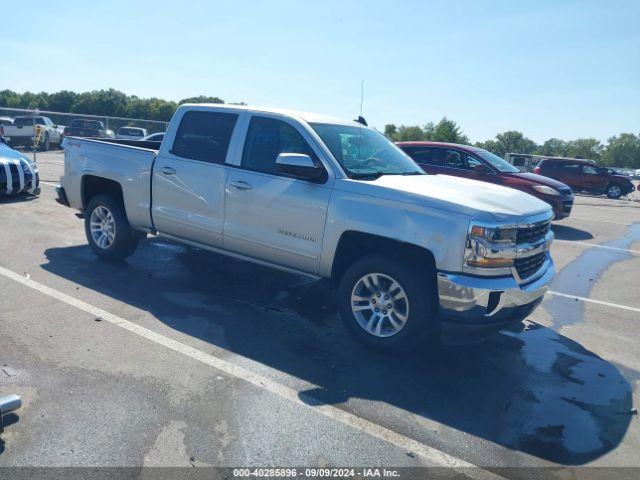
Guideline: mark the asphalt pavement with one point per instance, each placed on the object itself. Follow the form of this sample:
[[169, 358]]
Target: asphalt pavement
[[181, 357]]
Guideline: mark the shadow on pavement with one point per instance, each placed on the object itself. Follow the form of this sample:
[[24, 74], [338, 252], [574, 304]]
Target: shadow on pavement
[[17, 198], [564, 232], [533, 390]]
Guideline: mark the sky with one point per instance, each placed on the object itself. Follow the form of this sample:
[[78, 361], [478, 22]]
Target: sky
[[563, 69]]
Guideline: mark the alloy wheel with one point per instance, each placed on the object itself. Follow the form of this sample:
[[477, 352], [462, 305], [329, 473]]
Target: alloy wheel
[[380, 305], [103, 227]]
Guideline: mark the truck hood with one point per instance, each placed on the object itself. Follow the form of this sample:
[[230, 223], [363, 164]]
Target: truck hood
[[460, 195]]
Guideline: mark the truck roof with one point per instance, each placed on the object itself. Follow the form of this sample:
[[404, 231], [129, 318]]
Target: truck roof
[[306, 116]]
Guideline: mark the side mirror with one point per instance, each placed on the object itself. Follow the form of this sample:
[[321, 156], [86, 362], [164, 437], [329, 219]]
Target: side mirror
[[482, 169], [301, 166]]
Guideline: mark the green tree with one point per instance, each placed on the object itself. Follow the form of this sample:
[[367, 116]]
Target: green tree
[[623, 151], [390, 130], [585, 148], [554, 147], [201, 99], [511, 141], [109, 102], [445, 131]]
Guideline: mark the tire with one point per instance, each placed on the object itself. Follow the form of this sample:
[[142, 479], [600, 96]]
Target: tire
[[614, 190], [419, 308], [123, 239]]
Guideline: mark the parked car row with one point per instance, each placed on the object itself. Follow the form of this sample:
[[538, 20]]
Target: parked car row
[[478, 164], [95, 129]]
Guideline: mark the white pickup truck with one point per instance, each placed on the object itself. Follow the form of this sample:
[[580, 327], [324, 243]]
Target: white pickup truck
[[413, 255], [22, 132]]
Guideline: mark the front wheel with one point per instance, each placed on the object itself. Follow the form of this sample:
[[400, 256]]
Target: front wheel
[[388, 304], [107, 228], [614, 191]]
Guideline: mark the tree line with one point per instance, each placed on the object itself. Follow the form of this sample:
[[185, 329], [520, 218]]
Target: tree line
[[620, 150], [109, 103]]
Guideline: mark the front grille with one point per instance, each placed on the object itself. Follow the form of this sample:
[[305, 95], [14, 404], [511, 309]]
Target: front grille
[[565, 191], [527, 266], [15, 176], [533, 233]]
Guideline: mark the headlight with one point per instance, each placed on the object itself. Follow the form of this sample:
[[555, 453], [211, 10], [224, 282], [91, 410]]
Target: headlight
[[25, 165], [545, 189], [490, 247]]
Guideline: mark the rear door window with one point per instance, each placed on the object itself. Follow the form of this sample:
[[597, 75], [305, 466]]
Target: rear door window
[[425, 155], [571, 168], [204, 136]]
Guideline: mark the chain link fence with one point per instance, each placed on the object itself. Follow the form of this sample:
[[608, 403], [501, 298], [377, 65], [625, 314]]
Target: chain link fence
[[34, 137]]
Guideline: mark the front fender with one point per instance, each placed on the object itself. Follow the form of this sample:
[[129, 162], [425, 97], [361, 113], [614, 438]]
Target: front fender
[[441, 232]]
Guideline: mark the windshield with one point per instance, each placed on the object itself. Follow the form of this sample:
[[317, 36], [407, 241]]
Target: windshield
[[363, 152], [130, 131], [86, 124], [496, 161], [23, 121]]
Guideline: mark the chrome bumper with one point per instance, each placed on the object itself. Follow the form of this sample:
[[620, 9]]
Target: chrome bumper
[[491, 301]]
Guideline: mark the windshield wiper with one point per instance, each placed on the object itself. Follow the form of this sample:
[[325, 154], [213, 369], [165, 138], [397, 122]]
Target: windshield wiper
[[367, 176]]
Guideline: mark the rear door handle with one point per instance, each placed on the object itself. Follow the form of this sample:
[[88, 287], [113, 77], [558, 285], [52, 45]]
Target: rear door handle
[[167, 171], [241, 185]]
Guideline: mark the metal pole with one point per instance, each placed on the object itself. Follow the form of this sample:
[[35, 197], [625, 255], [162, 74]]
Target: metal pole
[[35, 112]]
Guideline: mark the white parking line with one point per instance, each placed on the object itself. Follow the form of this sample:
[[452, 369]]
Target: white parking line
[[430, 455], [595, 245], [591, 300], [592, 220], [50, 183]]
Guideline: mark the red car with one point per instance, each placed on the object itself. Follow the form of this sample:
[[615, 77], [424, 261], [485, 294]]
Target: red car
[[585, 176], [478, 164]]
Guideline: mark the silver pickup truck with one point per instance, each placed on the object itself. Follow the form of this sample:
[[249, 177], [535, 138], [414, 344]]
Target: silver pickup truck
[[413, 256]]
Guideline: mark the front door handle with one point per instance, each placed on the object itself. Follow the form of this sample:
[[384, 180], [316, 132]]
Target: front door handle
[[241, 185], [167, 171]]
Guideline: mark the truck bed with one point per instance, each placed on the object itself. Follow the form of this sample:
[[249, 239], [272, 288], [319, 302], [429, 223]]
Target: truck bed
[[125, 162]]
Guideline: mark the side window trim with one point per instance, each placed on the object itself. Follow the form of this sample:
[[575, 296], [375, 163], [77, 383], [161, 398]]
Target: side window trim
[[171, 148]]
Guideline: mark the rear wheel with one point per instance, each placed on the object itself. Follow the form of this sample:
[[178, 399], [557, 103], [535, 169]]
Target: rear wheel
[[107, 228], [387, 304], [614, 191]]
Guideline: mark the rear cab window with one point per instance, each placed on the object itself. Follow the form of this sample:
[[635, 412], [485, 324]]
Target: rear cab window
[[204, 136]]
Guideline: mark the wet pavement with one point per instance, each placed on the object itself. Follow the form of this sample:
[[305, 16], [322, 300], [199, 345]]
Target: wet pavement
[[560, 391]]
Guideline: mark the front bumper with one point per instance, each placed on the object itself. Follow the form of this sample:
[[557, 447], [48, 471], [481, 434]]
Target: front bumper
[[18, 182], [472, 308], [561, 205]]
